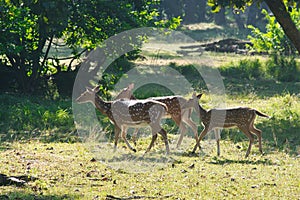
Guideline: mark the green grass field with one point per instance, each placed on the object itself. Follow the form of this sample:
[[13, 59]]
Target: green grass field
[[39, 139]]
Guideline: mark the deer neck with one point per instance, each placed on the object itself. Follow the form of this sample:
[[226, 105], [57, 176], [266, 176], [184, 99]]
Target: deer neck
[[101, 105], [202, 111]]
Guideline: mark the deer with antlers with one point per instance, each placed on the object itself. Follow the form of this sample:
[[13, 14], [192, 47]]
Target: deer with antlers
[[175, 112], [214, 119], [129, 113]]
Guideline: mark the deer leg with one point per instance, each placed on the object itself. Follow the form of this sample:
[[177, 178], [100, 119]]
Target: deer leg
[[182, 130], [193, 126], [247, 132], [164, 135], [154, 136], [203, 133], [124, 131], [257, 132], [117, 133], [217, 137], [134, 135]]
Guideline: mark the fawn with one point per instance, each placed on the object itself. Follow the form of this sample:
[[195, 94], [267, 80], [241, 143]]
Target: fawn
[[215, 119], [175, 112], [129, 113]]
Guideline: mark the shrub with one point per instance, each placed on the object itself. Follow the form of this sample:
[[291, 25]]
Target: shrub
[[283, 69], [25, 117], [274, 39], [246, 69], [280, 68]]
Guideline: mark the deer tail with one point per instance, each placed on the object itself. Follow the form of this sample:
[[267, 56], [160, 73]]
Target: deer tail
[[261, 114]]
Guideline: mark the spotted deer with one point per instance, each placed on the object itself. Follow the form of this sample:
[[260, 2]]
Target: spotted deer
[[175, 112], [126, 93], [215, 119], [129, 113]]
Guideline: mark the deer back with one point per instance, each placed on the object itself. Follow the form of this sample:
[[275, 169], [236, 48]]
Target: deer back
[[135, 112], [174, 103], [229, 117]]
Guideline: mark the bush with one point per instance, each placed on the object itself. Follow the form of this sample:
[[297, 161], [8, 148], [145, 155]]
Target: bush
[[274, 39], [280, 68], [245, 69], [23, 117], [283, 69]]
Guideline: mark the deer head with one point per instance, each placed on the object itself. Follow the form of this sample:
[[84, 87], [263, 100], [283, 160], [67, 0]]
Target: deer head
[[88, 95], [126, 93], [193, 102]]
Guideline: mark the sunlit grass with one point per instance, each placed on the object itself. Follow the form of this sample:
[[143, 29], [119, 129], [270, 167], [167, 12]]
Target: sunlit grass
[[69, 171], [38, 138]]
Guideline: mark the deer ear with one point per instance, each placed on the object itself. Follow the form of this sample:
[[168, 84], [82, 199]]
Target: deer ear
[[130, 86], [96, 89], [88, 89], [199, 96]]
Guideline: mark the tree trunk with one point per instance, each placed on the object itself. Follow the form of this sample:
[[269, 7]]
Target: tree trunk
[[191, 9], [252, 15], [220, 17], [239, 21], [282, 16], [202, 11], [173, 8]]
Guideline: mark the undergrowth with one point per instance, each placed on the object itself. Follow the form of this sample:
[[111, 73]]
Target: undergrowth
[[279, 68], [34, 117]]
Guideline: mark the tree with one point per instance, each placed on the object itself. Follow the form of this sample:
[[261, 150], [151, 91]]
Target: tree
[[220, 18], [202, 11], [284, 19], [191, 8], [29, 29], [278, 9], [272, 39]]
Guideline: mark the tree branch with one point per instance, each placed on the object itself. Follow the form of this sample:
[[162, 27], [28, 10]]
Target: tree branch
[[47, 51], [284, 19]]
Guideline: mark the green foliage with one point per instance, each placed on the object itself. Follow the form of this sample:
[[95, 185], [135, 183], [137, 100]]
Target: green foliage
[[283, 69], [282, 129], [280, 68], [245, 69], [274, 40], [33, 117], [152, 90], [216, 4], [191, 74], [28, 29]]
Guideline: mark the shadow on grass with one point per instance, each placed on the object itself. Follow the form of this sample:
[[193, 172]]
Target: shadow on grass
[[26, 196], [221, 161], [240, 81], [251, 76], [148, 158], [260, 87], [4, 146], [212, 33]]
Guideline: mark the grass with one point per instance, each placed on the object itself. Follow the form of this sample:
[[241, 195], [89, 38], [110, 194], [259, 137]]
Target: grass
[[67, 171], [38, 139], [26, 117]]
